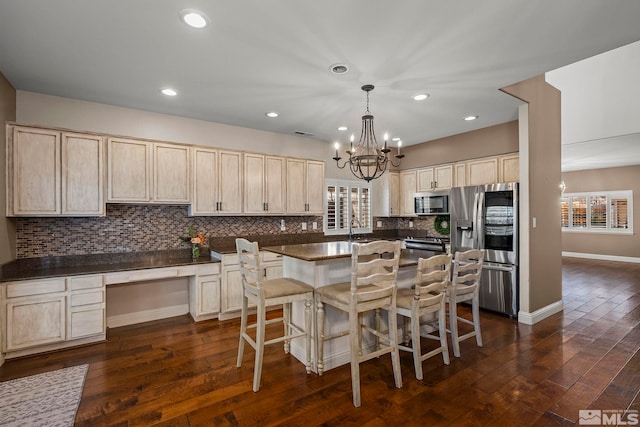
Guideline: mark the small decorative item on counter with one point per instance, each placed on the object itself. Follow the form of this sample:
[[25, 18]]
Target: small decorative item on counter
[[195, 239]]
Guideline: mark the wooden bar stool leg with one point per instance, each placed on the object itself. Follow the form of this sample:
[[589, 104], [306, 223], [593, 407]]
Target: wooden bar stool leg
[[243, 331], [393, 342], [442, 320], [286, 309], [475, 308], [415, 344], [320, 335], [453, 325], [307, 328], [356, 339], [260, 331]]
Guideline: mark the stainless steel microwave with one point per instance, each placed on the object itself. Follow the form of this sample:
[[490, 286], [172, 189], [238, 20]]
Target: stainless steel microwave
[[432, 203]]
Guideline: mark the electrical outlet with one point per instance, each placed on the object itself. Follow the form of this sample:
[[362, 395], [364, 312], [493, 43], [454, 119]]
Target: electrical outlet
[[304, 226], [282, 226], [314, 225], [379, 224], [410, 224]]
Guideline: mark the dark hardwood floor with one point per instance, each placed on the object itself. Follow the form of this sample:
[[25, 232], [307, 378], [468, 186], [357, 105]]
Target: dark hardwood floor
[[178, 373]]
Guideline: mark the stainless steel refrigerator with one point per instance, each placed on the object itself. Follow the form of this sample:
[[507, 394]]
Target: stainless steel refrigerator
[[486, 217]]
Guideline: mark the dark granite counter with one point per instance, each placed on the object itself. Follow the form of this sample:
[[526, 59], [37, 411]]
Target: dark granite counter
[[38, 268]]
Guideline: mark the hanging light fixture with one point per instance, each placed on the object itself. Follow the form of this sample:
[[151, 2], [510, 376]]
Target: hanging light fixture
[[366, 160]]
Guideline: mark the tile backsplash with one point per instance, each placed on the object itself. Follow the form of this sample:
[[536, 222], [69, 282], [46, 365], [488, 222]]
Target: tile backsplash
[[134, 228]]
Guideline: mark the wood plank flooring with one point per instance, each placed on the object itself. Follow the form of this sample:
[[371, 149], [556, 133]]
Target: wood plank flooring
[[175, 372]]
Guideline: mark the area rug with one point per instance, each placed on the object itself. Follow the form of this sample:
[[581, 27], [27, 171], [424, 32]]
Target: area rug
[[47, 399]]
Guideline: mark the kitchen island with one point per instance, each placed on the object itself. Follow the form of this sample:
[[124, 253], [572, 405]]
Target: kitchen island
[[326, 263]]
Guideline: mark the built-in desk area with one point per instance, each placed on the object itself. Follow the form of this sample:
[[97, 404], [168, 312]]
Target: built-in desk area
[[326, 263]]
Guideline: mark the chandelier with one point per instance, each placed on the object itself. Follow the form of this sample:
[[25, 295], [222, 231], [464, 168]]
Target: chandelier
[[366, 160]]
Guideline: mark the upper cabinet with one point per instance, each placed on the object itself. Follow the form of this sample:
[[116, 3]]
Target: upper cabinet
[[386, 195], [264, 184], [510, 168], [482, 171], [171, 173], [408, 188], [435, 178], [217, 182], [128, 170], [488, 170], [51, 172], [305, 187]]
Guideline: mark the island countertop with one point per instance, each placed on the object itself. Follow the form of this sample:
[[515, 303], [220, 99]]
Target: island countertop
[[341, 249]]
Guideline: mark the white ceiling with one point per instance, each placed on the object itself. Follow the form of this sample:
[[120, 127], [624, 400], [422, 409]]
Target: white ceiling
[[258, 56]]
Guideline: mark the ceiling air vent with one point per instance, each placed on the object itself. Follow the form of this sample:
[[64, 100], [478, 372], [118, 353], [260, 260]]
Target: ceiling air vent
[[301, 133]]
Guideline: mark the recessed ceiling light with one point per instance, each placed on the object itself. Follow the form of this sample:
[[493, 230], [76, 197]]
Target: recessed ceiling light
[[339, 68], [272, 114], [194, 18], [169, 92], [343, 128], [421, 96], [470, 118]]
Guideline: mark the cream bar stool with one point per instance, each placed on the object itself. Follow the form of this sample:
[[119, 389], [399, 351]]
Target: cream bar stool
[[426, 301], [372, 287], [465, 285], [265, 293]]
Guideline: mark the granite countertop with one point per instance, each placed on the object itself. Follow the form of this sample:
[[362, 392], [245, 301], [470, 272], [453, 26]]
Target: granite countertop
[[47, 267], [341, 249]]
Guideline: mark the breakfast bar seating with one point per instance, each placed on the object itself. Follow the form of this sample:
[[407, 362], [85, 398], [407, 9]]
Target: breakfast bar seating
[[265, 293], [419, 305], [372, 287]]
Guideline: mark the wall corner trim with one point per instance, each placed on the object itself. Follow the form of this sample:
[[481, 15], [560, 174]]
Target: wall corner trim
[[538, 315], [601, 257]]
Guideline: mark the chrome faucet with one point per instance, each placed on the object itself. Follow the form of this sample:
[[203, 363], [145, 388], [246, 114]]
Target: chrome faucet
[[351, 227]]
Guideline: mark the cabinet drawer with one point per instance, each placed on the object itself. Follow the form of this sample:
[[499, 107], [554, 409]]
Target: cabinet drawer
[[86, 298], [271, 256], [153, 274], [35, 287], [230, 259], [213, 268], [85, 282]]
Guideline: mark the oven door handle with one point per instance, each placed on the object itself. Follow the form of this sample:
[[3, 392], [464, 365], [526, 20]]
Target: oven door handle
[[498, 267]]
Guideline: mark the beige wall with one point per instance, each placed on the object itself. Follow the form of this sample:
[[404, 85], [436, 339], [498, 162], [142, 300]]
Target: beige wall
[[7, 226], [38, 109], [541, 189], [489, 141], [609, 179]]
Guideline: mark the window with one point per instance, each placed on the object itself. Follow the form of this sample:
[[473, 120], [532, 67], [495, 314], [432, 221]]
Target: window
[[347, 207], [604, 211]]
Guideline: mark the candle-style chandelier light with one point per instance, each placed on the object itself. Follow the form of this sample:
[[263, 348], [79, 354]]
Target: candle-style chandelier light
[[366, 160]]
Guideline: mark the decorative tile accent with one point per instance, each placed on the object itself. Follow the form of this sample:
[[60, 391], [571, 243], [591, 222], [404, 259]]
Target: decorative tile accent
[[133, 228]]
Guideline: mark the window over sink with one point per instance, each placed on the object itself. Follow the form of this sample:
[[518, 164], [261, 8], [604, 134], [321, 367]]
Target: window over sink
[[347, 207]]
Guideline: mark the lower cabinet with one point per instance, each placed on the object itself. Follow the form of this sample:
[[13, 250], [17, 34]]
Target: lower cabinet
[[34, 321], [87, 306], [204, 293]]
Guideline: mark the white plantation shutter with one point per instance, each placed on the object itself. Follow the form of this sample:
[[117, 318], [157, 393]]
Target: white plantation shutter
[[347, 207], [604, 211], [598, 211]]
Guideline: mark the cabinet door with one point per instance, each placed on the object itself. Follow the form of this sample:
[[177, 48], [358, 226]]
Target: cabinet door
[[425, 179], [87, 321], [296, 193], [386, 190], [272, 270], [82, 174], [209, 294], [510, 168], [443, 177], [275, 184], [230, 182], [407, 193], [460, 173], [254, 183], [171, 172], [128, 170], [205, 182], [35, 174], [34, 321], [315, 187], [231, 293], [482, 171], [394, 194]]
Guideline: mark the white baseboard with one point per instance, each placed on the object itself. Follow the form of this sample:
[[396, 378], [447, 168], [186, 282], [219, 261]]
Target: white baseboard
[[147, 315], [601, 257], [538, 315]]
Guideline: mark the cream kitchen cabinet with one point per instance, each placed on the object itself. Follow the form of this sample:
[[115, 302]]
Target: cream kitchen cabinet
[[435, 178], [271, 265], [34, 313], [509, 167], [408, 188], [204, 292], [482, 171], [305, 187], [264, 184], [86, 310], [386, 195], [171, 173], [460, 174], [217, 182], [128, 170], [53, 173]]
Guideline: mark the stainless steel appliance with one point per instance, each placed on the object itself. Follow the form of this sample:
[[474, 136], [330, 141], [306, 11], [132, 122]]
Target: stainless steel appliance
[[435, 244], [486, 217], [432, 203]]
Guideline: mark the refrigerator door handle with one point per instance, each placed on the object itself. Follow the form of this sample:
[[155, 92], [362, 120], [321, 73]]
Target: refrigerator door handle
[[478, 214], [497, 267]]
